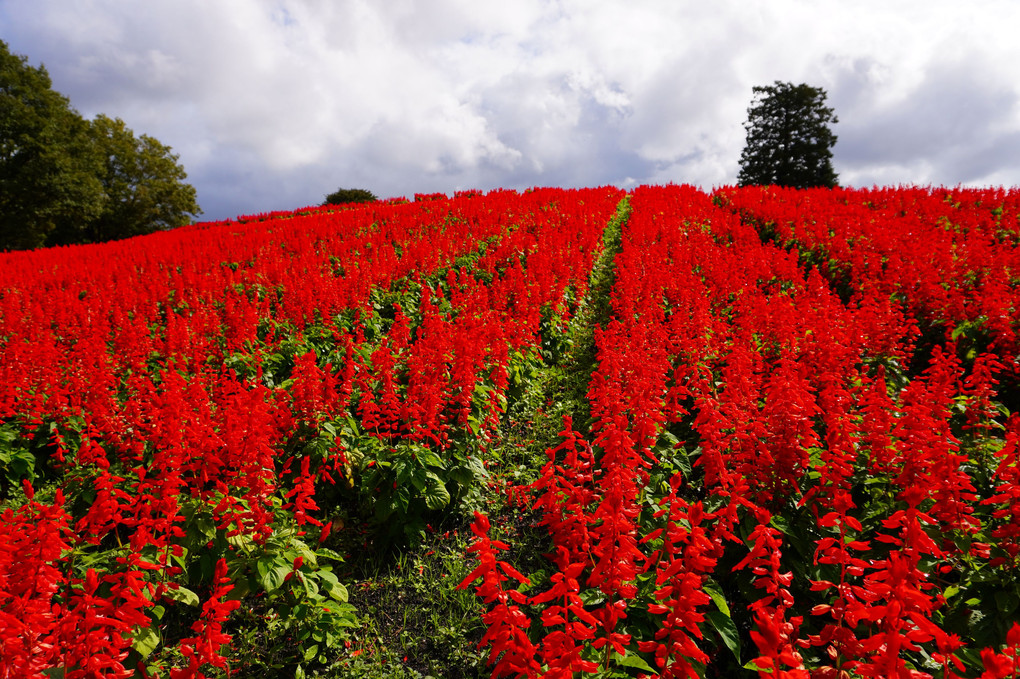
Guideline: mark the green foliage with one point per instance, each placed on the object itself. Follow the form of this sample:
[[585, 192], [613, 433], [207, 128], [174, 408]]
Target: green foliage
[[408, 486], [292, 615], [143, 187], [294, 610], [789, 142], [17, 462], [342, 196], [47, 176], [64, 179]]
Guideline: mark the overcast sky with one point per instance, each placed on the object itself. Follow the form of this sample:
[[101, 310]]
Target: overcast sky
[[271, 105]]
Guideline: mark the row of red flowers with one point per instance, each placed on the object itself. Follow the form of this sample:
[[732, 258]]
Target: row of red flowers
[[786, 451], [193, 402]]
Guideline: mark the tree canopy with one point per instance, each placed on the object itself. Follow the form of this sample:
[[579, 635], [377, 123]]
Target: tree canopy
[[789, 142], [341, 196], [65, 179]]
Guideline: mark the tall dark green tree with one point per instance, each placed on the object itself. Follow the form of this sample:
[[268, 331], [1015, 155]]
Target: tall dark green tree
[[64, 179], [48, 178], [789, 142]]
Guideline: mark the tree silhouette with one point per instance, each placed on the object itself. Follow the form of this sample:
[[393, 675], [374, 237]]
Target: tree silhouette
[[789, 142]]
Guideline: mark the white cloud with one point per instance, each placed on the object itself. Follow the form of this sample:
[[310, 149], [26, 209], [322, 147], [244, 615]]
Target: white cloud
[[272, 104]]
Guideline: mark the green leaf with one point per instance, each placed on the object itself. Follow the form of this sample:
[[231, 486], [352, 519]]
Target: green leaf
[[328, 578], [477, 468], [960, 329], [782, 523], [753, 666], [311, 589], [436, 497], [403, 471], [274, 578], [205, 525], [146, 640], [723, 625], [304, 551], [332, 586], [342, 614], [712, 590], [429, 458], [328, 554], [241, 542], [183, 595], [339, 592], [633, 660], [461, 475]]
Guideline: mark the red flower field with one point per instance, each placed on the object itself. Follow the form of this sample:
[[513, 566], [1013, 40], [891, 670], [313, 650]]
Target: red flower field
[[793, 454]]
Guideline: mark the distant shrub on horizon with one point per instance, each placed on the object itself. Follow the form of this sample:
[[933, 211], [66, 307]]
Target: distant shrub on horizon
[[341, 196]]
